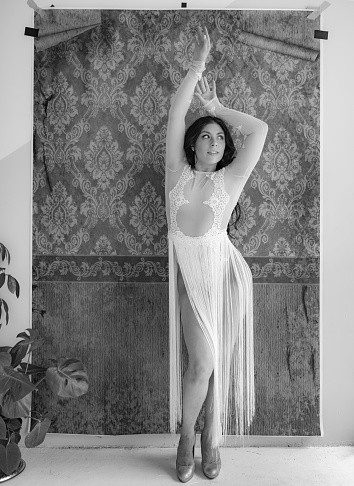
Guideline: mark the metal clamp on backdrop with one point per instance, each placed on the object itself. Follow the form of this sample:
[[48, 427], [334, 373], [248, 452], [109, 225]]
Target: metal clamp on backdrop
[[55, 26], [32, 4], [319, 34], [29, 30]]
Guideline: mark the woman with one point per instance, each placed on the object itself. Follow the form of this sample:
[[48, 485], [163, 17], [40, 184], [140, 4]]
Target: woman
[[210, 283]]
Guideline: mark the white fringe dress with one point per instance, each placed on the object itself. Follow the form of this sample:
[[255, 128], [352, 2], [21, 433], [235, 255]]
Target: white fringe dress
[[219, 285]]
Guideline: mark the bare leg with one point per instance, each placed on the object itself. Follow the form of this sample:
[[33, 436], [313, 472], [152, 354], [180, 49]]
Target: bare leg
[[198, 386], [211, 462], [200, 364], [209, 417]]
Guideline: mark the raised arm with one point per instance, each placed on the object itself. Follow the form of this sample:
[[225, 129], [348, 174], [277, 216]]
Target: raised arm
[[253, 129], [182, 100]]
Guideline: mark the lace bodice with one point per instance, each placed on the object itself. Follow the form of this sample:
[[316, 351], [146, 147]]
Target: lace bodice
[[188, 199]]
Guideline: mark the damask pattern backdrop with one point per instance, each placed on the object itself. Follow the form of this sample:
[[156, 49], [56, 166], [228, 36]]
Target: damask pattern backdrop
[[100, 268]]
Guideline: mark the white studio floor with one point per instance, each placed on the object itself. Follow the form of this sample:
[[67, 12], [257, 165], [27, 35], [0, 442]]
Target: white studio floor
[[154, 466]]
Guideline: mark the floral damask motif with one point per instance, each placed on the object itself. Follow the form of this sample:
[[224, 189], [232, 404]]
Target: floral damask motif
[[282, 161], [312, 157], [62, 106], [149, 104], [149, 152], [184, 46], [105, 97], [229, 46], [282, 65], [315, 106], [136, 247], [110, 269], [103, 207], [160, 44], [103, 247], [71, 246], [287, 96], [105, 51], [246, 221], [103, 159], [53, 150], [150, 38], [282, 209], [285, 209], [282, 249], [150, 18], [311, 245], [237, 95], [314, 220], [148, 214], [59, 213], [293, 272]]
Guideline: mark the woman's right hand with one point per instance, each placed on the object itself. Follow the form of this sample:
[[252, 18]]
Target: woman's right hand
[[202, 45]]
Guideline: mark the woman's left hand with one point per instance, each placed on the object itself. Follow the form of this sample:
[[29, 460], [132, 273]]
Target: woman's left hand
[[204, 93]]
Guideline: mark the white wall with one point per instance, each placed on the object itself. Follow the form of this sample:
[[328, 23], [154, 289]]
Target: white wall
[[337, 128]]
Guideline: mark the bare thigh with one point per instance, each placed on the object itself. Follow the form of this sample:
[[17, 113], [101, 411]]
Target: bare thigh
[[199, 352]]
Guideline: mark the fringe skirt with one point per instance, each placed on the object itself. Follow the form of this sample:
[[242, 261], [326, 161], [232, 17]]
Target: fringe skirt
[[219, 285]]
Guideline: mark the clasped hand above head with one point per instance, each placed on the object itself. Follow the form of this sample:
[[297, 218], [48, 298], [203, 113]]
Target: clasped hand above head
[[202, 45], [205, 94]]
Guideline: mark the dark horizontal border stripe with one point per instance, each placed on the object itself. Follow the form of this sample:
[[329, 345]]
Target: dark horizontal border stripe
[[100, 269], [155, 269], [284, 270]]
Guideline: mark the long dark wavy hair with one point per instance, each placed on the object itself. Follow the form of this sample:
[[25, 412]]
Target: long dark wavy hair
[[190, 139]]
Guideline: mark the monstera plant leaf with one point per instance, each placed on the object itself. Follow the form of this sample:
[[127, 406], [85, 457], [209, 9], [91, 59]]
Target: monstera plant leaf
[[4, 253], [2, 429], [38, 433], [5, 381], [5, 349], [19, 383], [13, 285], [13, 426], [30, 369], [68, 378], [10, 457], [28, 343], [15, 409], [3, 305], [5, 360]]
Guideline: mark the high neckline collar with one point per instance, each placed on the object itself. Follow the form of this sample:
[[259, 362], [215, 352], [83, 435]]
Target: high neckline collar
[[204, 171]]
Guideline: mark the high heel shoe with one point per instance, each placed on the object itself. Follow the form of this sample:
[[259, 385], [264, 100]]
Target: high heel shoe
[[211, 462], [184, 469]]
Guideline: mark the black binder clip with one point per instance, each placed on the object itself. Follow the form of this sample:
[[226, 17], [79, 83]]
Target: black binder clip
[[321, 34], [31, 32]]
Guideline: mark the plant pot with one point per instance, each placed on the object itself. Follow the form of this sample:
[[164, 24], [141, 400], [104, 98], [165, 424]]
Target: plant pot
[[5, 477]]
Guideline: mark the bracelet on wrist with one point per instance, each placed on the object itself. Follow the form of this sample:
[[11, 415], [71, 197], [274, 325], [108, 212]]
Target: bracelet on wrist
[[196, 69], [198, 66], [211, 109]]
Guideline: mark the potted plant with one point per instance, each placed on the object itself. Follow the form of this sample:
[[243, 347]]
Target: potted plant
[[19, 377]]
